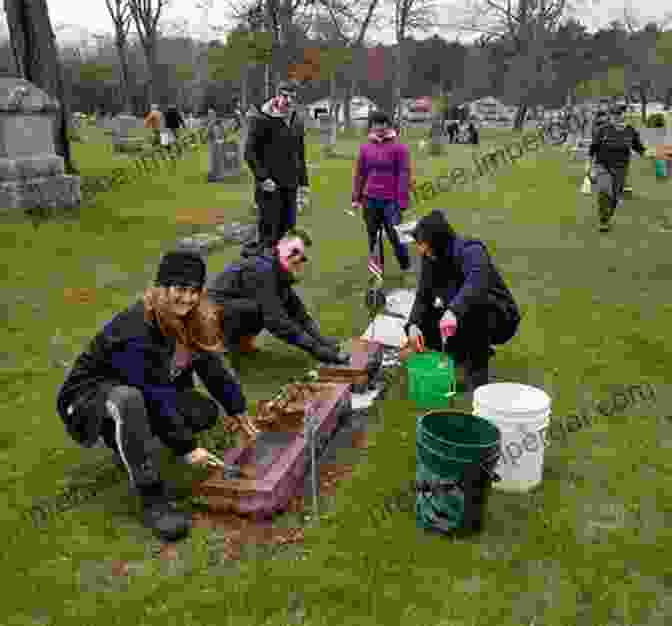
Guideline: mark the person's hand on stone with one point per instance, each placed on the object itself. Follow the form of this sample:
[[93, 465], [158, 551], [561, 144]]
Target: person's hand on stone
[[269, 185], [330, 356]]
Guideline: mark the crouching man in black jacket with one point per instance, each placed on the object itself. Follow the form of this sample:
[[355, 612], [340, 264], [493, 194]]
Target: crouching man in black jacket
[[135, 380], [256, 293], [461, 297]]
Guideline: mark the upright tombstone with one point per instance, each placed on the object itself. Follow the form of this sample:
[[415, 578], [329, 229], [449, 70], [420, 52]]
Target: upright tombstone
[[122, 139], [436, 137], [32, 175], [223, 156], [327, 133]]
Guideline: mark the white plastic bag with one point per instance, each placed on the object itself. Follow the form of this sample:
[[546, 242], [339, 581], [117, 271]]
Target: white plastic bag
[[587, 187]]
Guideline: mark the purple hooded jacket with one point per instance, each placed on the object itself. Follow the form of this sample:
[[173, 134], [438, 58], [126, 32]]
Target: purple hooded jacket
[[383, 171]]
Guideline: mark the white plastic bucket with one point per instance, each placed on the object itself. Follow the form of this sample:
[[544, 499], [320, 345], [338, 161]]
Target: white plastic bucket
[[522, 414]]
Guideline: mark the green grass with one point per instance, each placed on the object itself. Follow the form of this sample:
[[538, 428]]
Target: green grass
[[589, 547]]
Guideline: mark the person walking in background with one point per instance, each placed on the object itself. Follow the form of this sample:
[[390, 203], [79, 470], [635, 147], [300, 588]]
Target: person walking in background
[[136, 380], [381, 183], [276, 155], [611, 149], [154, 121], [174, 122]]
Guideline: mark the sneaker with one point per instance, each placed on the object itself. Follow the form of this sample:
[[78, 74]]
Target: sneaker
[[161, 515]]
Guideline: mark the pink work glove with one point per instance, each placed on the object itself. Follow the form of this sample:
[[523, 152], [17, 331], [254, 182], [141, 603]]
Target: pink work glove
[[448, 325]]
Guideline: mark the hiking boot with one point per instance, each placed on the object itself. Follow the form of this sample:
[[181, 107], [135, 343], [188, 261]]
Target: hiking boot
[[160, 514]]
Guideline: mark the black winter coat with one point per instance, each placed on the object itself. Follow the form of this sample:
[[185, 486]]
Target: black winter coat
[[276, 150], [263, 281], [130, 351]]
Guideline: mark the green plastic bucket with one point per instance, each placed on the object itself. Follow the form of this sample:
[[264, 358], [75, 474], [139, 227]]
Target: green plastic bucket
[[661, 168], [431, 379], [456, 457]]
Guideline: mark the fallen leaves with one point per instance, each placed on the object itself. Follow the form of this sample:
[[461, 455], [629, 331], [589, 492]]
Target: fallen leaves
[[200, 216], [79, 295]]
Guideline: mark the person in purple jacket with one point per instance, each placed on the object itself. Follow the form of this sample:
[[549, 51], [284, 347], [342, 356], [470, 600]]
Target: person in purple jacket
[[381, 184], [136, 380], [461, 300]]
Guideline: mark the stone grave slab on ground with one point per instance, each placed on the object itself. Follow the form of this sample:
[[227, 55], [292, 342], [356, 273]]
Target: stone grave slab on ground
[[278, 460], [32, 175]]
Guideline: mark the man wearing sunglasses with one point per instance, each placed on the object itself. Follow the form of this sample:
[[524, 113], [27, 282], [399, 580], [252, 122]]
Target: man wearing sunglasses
[[256, 294], [275, 153]]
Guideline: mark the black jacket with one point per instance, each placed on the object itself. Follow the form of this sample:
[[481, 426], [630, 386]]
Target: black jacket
[[262, 279], [173, 120], [130, 351], [276, 150], [611, 146], [462, 277]]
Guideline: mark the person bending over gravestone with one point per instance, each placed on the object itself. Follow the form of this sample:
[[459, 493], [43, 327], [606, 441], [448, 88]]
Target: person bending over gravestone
[[461, 298], [611, 148], [135, 380], [275, 153], [256, 293]]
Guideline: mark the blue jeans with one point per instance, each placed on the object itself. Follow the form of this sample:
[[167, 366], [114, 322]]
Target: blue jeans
[[385, 214]]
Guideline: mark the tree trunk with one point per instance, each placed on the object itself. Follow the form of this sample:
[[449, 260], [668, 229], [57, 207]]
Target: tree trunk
[[644, 100], [396, 80], [125, 81], [37, 61], [150, 58], [244, 125]]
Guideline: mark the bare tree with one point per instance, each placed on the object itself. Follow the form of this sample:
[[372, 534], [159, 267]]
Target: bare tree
[[351, 22], [409, 16], [530, 27], [120, 12], [146, 15], [37, 60]]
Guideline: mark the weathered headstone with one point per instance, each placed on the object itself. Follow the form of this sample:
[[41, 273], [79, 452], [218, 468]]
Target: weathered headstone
[[32, 175], [327, 133], [224, 156], [122, 139], [436, 137]]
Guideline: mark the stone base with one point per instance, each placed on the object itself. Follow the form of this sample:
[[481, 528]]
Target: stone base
[[53, 192]]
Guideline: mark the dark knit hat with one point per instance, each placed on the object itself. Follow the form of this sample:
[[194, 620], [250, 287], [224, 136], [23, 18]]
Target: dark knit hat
[[181, 268], [435, 230]]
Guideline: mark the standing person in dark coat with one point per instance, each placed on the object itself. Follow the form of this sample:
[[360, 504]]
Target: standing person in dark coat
[[136, 380], [275, 153], [174, 121], [461, 298], [611, 149], [256, 294]]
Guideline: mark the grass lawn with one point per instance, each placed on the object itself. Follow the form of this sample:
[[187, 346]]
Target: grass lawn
[[589, 547]]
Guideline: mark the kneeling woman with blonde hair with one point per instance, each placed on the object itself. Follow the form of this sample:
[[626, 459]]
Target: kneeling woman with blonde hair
[[135, 380]]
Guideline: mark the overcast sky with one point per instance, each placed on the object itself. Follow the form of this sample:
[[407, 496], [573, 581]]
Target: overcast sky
[[80, 18]]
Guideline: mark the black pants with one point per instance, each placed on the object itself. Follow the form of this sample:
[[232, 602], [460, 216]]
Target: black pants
[[385, 214], [129, 427], [470, 345], [277, 214], [242, 318]]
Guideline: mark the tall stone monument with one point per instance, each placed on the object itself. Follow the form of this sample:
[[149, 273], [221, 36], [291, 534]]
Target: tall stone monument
[[32, 175], [224, 156]]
